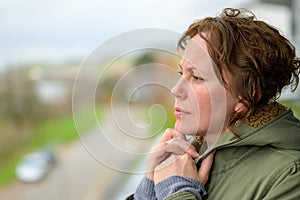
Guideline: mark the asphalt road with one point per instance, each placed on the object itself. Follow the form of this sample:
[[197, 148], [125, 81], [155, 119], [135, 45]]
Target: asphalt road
[[91, 167]]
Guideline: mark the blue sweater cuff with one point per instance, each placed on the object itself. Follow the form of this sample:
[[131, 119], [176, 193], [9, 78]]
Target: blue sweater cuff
[[175, 184], [145, 190]]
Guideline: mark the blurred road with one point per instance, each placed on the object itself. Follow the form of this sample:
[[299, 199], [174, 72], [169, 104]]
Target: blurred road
[[87, 168]]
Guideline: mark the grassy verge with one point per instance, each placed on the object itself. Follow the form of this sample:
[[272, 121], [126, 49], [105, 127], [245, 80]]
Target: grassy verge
[[160, 122], [61, 130], [51, 132]]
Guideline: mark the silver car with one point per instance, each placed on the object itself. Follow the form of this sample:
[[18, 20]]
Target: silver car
[[34, 166]]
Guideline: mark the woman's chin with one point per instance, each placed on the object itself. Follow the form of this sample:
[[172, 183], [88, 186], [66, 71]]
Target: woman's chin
[[185, 129]]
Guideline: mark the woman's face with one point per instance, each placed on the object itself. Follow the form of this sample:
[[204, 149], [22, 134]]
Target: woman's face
[[202, 104]]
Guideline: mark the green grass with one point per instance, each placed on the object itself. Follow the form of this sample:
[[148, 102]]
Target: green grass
[[160, 120], [7, 171], [61, 130], [51, 132]]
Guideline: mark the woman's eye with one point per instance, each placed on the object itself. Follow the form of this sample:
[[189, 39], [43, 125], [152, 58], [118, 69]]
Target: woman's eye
[[180, 73], [196, 78]]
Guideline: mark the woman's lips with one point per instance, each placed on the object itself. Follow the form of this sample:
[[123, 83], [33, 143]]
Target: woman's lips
[[178, 112]]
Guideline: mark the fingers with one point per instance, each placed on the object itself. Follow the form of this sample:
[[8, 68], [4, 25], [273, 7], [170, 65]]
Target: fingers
[[172, 142], [170, 134], [176, 139], [175, 146], [179, 146], [180, 165], [205, 167]]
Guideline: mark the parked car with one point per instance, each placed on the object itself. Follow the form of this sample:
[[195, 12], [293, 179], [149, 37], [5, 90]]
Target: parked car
[[34, 166]]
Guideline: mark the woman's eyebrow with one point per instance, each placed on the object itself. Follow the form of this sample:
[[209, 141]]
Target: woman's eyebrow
[[189, 69]]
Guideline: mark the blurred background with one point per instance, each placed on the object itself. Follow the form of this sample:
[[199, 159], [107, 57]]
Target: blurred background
[[43, 46]]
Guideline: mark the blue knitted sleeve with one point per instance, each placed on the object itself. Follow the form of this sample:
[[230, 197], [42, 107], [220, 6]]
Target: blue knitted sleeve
[[176, 184]]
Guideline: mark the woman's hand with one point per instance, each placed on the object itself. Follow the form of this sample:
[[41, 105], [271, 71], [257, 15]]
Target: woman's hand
[[183, 165], [172, 142]]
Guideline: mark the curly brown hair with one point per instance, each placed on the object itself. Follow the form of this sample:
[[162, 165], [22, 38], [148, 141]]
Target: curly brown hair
[[259, 60]]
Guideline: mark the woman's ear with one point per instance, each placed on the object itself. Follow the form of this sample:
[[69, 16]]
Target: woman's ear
[[241, 107]]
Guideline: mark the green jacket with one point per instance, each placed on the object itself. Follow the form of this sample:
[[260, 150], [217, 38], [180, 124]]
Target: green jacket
[[264, 163]]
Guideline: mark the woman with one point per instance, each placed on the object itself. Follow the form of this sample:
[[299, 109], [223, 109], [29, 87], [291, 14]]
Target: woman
[[233, 69]]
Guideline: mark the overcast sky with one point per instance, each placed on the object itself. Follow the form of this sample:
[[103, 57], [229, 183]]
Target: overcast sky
[[63, 29]]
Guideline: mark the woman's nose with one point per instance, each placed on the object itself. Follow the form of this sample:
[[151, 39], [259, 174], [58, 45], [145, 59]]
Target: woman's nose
[[178, 90], [175, 91]]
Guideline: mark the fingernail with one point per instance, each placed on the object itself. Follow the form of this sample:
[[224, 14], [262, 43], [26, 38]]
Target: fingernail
[[196, 154]]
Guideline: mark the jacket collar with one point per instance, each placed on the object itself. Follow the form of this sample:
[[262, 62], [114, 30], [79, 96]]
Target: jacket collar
[[282, 131]]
